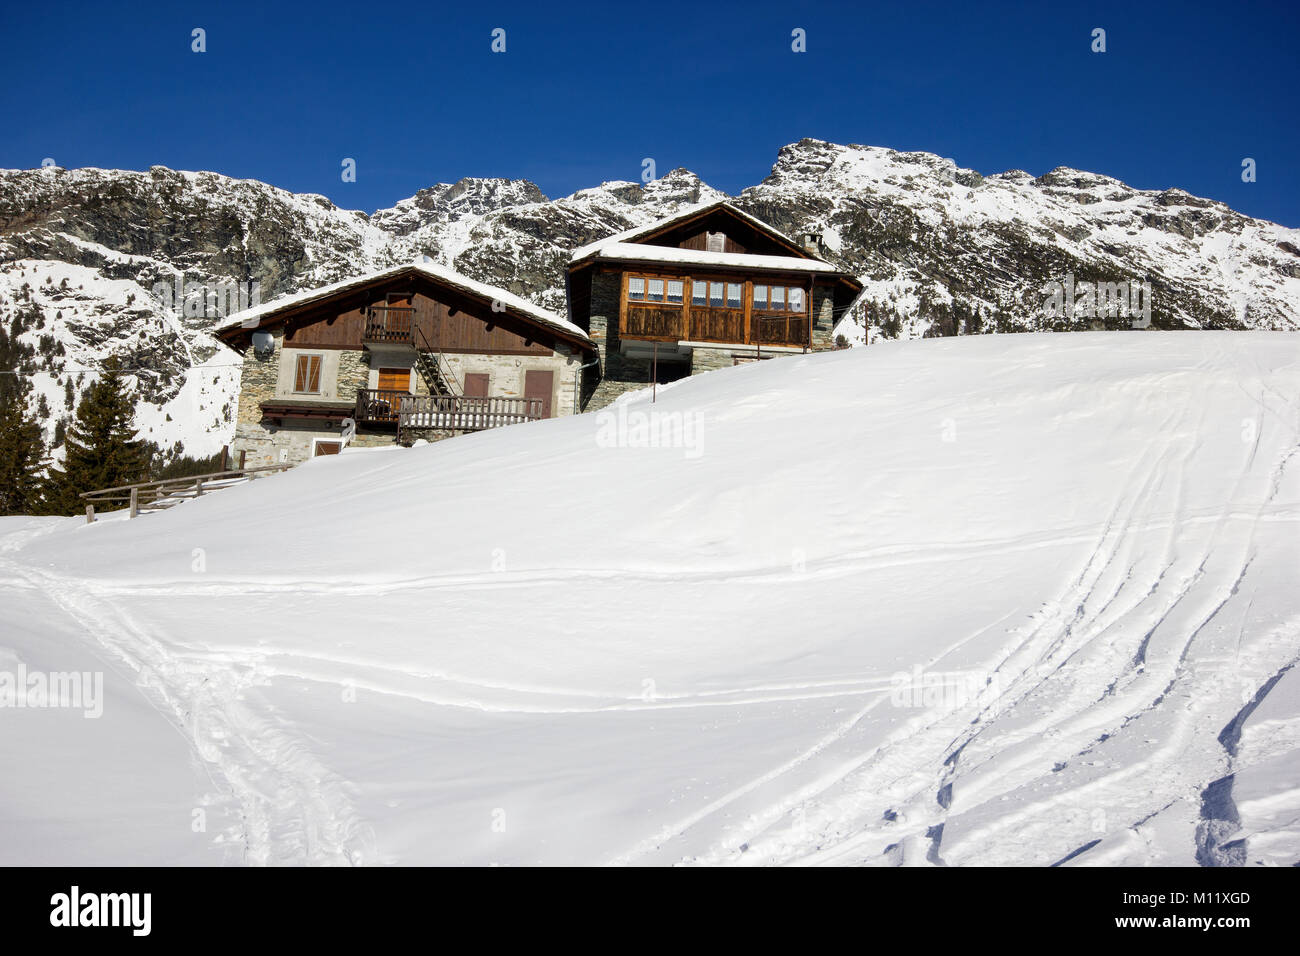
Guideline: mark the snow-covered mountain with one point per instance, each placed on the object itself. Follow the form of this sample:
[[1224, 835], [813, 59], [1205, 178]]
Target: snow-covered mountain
[[941, 249], [997, 600]]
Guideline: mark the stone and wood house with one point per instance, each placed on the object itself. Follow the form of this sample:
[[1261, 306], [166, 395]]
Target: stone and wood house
[[708, 288], [420, 351], [413, 351]]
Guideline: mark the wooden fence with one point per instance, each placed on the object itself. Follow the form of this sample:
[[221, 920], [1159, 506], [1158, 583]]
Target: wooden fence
[[157, 495]]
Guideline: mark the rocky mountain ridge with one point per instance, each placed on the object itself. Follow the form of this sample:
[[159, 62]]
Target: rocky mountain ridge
[[90, 259]]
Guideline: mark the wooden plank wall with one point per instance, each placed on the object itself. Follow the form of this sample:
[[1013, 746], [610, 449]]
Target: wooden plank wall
[[448, 327]]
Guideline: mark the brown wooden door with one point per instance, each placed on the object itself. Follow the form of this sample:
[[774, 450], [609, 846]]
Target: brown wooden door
[[539, 385], [476, 385], [328, 447], [395, 379]]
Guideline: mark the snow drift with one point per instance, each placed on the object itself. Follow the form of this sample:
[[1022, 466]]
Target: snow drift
[[1001, 600]]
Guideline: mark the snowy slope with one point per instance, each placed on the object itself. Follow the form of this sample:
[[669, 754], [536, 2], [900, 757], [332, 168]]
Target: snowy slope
[[991, 600]]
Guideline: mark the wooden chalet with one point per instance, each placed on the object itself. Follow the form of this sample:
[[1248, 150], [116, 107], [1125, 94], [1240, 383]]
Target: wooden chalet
[[712, 286], [413, 351]]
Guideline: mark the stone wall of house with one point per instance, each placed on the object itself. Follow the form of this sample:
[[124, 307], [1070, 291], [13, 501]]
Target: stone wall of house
[[354, 373], [605, 292], [618, 373], [507, 374], [823, 314], [265, 379], [707, 360]]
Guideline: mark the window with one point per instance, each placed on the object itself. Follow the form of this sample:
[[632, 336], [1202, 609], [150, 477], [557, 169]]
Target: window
[[760, 297], [675, 288], [654, 290], [734, 300], [699, 292], [778, 298], [796, 300], [715, 295], [306, 377], [717, 242], [635, 288]]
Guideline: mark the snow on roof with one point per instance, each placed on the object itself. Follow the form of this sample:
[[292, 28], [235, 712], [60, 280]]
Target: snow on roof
[[642, 253], [252, 318], [634, 234]]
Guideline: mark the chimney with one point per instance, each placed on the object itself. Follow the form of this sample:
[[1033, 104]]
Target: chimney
[[812, 244]]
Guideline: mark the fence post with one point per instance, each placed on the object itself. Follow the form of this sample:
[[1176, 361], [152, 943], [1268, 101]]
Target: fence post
[[198, 488], [135, 502], [90, 514]]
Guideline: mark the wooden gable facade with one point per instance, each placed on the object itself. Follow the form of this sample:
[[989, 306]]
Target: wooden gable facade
[[729, 281], [410, 308]]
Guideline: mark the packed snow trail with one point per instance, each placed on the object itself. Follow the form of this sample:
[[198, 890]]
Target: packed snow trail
[[290, 809], [1001, 600]]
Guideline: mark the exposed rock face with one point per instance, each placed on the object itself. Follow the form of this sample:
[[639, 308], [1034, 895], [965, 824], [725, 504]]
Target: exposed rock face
[[941, 249]]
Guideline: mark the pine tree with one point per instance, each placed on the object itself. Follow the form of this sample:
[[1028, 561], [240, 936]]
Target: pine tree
[[101, 447], [22, 446]]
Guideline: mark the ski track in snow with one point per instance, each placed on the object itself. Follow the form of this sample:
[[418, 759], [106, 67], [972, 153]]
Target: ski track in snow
[[1137, 630], [1089, 714], [293, 810]]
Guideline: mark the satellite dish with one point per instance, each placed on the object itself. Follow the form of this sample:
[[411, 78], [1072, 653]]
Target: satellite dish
[[263, 342]]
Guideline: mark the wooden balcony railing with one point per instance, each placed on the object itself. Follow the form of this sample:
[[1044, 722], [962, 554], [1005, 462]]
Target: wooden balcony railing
[[781, 329], [654, 322], [454, 412], [389, 324], [711, 324], [379, 405], [717, 325], [467, 414]]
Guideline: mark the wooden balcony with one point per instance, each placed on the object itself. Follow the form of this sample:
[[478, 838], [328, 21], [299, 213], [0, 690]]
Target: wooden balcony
[[389, 324], [450, 412], [790, 329], [379, 406], [664, 323], [727, 326], [717, 325]]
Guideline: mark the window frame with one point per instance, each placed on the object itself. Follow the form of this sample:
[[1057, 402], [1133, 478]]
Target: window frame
[[767, 307], [708, 285], [298, 372]]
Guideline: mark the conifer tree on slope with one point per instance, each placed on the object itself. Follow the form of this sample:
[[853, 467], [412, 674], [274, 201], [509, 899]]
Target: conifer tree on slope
[[22, 445], [101, 448]]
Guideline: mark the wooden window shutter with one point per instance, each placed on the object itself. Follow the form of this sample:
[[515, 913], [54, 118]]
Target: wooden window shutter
[[306, 374]]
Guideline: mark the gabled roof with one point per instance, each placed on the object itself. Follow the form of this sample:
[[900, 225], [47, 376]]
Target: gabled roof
[[642, 233], [255, 317]]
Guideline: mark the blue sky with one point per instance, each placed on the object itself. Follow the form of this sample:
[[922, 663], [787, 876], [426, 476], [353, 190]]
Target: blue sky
[[584, 92]]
